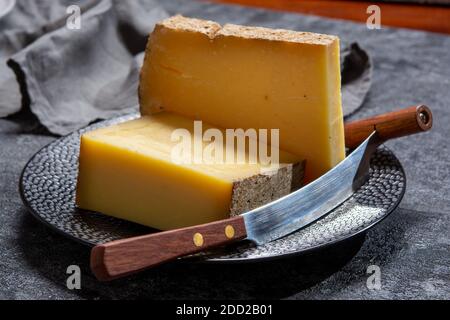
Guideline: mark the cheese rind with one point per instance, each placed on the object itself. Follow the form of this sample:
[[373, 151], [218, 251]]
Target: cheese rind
[[126, 171], [249, 77]]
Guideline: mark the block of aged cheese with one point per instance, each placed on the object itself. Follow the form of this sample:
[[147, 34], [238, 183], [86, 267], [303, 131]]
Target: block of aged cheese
[[128, 171], [250, 77]]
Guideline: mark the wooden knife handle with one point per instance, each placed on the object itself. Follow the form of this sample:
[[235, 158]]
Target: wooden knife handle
[[124, 257], [390, 125]]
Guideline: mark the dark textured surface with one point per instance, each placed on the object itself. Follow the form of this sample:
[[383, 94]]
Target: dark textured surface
[[411, 247], [48, 186]]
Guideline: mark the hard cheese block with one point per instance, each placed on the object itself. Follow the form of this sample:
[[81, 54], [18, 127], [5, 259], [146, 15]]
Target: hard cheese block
[[128, 171], [249, 77]]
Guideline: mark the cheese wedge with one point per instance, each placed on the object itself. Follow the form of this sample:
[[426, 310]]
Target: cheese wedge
[[128, 171], [249, 77]]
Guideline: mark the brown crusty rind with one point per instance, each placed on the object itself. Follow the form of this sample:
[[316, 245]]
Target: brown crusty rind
[[213, 30], [180, 23], [251, 193], [282, 35]]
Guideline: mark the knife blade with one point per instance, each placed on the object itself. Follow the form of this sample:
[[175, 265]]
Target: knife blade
[[301, 208], [273, 221]]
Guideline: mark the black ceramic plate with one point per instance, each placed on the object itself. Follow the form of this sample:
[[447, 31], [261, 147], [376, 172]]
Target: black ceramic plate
[[48, 185]]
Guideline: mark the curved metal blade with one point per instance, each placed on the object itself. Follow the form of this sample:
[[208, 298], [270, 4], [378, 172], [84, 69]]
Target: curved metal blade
[[301, 208]]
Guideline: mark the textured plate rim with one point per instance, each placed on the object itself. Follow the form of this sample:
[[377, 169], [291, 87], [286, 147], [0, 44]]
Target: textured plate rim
[[196, 259]]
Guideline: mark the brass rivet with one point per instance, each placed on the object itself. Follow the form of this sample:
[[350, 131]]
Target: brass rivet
[[229, 232], [198, 240]]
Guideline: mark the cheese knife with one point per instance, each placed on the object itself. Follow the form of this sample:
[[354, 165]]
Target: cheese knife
[[275, 220]]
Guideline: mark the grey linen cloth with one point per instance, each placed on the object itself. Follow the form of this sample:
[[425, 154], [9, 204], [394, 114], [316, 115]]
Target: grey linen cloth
[[70, 78], [73, 77]]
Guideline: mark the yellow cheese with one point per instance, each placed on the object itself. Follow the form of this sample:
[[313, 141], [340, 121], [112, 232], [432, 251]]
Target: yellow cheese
[[248, 77], [128, 171]]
